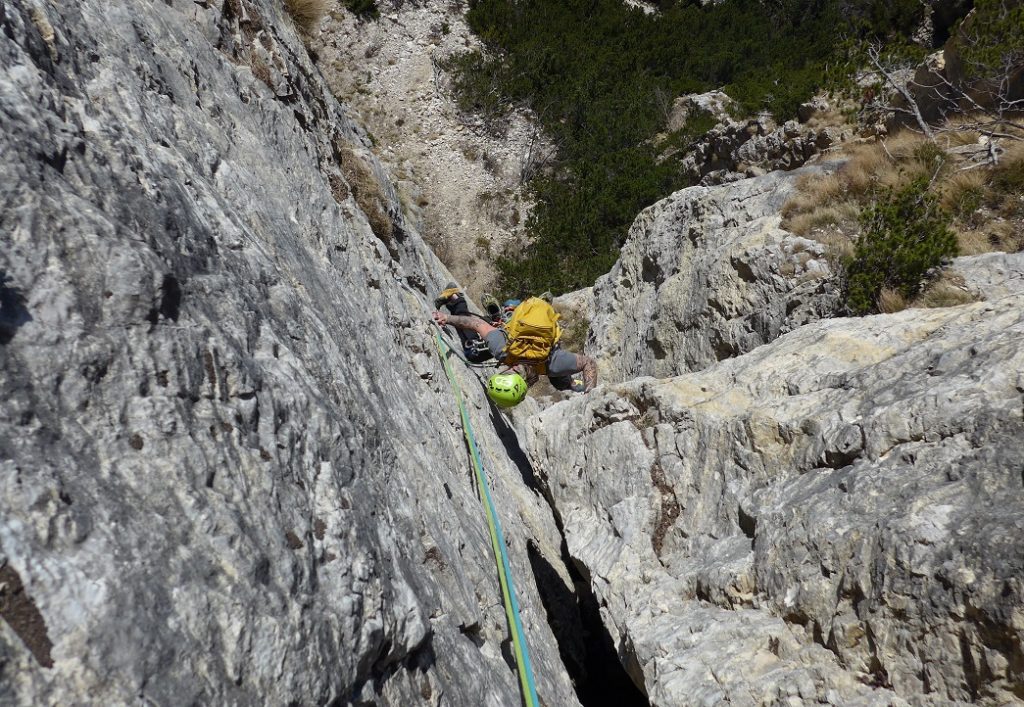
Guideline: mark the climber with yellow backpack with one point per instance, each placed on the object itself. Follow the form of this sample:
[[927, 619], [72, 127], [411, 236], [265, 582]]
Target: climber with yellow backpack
[[527, 345]]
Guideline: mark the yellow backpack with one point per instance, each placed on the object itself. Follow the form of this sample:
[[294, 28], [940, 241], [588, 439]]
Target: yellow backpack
[[532, 333]]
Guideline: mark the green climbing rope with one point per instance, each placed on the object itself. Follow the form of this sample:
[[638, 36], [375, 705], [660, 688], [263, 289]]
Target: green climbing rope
[[508, 591]]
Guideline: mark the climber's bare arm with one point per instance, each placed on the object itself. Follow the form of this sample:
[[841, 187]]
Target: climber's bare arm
[[461, 321], [589, 368]]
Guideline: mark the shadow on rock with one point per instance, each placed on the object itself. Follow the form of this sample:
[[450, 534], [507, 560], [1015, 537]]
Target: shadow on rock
[[13, 314], [584, 644], [510, 442]]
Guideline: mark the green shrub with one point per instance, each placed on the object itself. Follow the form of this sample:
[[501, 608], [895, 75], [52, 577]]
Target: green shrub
[[905, 235], [698, 123], [596, 74], [363, 8], [993, 40]]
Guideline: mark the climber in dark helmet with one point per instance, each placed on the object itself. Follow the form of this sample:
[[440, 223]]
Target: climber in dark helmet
[[474, 348], [526, 343]]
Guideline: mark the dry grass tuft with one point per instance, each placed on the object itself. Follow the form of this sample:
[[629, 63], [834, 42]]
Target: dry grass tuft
[[368, 193], [946, 291], [962, 192], [307, 13], [890, 301], [903, 145], [860, 173], [959, 138], [339, 188], [838, 216], [261, 70], [1013, 153], [831, 118], [574, 333], [1003, 236], [812, 190], [972, 242], [838, 248]]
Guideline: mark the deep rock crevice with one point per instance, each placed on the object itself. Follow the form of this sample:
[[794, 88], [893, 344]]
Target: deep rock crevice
[[584, 643]]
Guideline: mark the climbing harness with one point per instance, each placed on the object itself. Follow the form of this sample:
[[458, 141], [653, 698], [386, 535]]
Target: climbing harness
[[508, 591], [461, 357]]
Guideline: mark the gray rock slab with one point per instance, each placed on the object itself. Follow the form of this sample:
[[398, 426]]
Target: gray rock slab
[[231, 467], [832, 518], [991, 275], [707, 274]]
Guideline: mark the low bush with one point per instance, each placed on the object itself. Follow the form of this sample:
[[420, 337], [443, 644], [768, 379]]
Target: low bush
[[905, 235], [363, 8], [962, 193], [368, 194], [575, 331]]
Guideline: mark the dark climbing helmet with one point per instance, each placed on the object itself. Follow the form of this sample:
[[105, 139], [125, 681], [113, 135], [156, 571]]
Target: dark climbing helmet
[[506, 390]]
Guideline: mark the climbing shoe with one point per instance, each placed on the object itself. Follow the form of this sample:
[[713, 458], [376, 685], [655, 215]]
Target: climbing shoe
[[451, 291], [491, 305]]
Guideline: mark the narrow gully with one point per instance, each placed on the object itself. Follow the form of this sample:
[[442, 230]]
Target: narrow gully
[[584, 644]]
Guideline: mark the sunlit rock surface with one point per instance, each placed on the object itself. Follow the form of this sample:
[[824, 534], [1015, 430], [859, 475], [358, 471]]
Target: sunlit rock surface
[[835, 517], [231, 470], [707, 274]]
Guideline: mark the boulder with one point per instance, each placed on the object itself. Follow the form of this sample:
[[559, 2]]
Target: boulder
[[713, 103], [991, 276], [735, 149]]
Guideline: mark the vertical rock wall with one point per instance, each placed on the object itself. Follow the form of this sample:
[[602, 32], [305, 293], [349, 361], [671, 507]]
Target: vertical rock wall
[[231, 470]]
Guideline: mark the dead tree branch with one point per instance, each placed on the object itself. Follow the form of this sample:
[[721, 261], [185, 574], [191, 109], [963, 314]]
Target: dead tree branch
[[875, 57]]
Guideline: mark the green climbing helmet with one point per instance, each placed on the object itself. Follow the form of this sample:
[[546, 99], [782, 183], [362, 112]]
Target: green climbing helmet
[[506, 389]]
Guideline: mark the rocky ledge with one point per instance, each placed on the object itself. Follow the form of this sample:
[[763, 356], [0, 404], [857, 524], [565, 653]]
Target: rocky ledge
[[707, 274], [832, 518]]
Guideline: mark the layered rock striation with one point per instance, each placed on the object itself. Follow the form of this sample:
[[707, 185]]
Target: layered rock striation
[[231, 469], [832, 518]]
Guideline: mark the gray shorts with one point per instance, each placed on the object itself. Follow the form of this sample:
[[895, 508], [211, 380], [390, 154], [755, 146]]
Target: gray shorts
[[560, 362]]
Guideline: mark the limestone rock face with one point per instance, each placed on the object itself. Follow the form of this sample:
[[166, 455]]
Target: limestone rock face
[[707, 274], [833, 518], [991, 275], [231, 469], [737, 149]]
